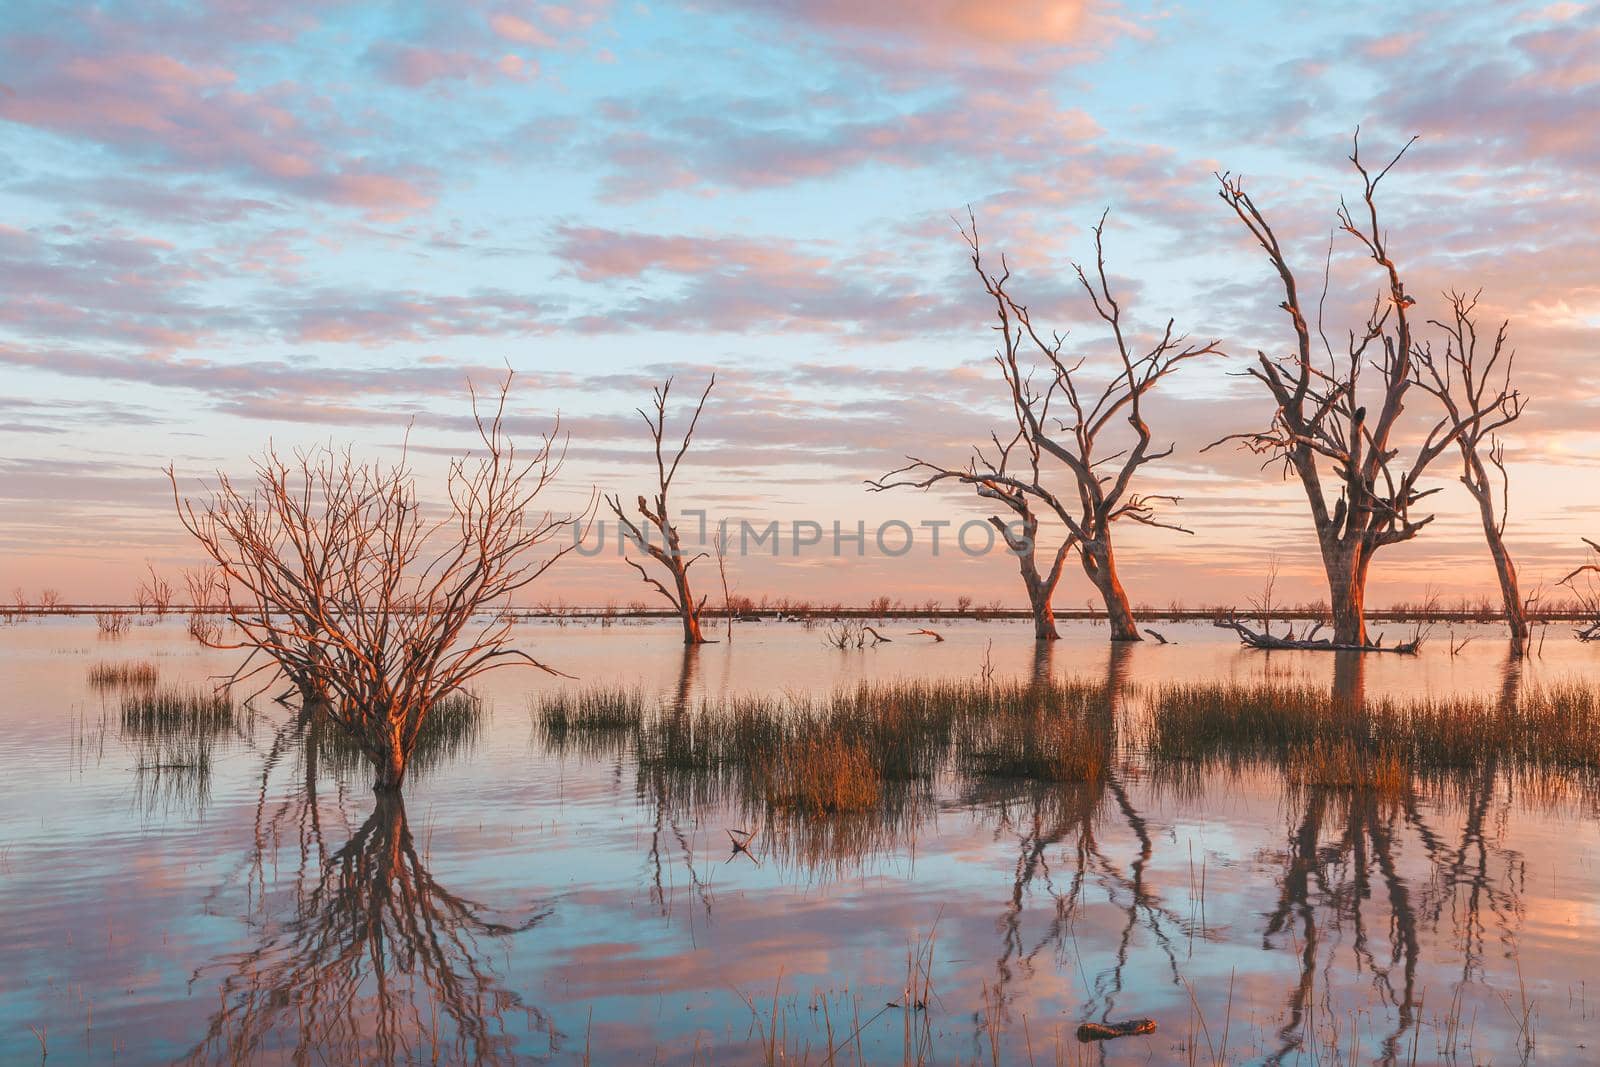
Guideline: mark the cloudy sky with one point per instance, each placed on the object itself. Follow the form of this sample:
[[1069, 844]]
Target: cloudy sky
[[232, 222]]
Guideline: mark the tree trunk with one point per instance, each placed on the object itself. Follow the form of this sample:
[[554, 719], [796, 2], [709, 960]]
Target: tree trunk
[[1100, 564], [388, 768], [313, 695], [1044, 616], [686, 606], [1040, 591], [1505, 570], [1347, 590]]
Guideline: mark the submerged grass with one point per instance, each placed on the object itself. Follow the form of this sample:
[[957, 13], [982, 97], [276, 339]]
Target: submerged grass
[[174, 733], [174, 712], [823, 775], [128, 674], [857, 748], [1320, 738], [881, 745]]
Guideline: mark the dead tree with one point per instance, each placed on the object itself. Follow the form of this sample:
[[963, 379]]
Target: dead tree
[[1009, 475], [1330, 421], [155, 592], [1474, 388], [1072, 425], [1585, 585], [408, 609], [655, 519]]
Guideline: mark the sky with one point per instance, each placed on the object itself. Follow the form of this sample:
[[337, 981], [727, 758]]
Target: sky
[[233, 223]]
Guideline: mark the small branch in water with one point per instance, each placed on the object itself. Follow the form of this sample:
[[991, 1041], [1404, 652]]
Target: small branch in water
[[935, 634], [1157, 635], [877, 638], [741, 843]]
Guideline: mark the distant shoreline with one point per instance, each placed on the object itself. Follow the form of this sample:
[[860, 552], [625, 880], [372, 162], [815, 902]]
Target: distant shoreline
[[1204, 614]]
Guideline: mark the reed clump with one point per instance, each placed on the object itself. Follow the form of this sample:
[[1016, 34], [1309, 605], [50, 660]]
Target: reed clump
[[854, 748], [1543, 729], [174, 732], [1054, 732], [593, 722], [174, 712], [1343, 764], [823, 775], [128, 674]]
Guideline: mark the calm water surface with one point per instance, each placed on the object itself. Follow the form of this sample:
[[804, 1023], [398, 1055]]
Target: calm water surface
[[524, 906]]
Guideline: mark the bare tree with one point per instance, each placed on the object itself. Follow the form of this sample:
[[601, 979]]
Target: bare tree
[[1075, 430], [155, 592], [206, 605], [1324, 420], [1585, 585], [1266, 605], [720, 543], [1475, 391], [49, 600], [656, 523], [407, 610], [1007, 473]]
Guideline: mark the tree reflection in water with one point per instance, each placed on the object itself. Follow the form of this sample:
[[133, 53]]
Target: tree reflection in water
[[1365, 878], [1343, 884], [1083, 817], [1370, 867], [372, 961]]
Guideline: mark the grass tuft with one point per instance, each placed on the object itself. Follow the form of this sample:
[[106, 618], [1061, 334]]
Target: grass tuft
[[129, 674]]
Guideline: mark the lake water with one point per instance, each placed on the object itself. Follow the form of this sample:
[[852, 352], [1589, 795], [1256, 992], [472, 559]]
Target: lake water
[[525, 906]]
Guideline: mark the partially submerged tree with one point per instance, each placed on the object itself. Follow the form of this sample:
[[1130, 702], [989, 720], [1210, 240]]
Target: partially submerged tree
[[1474, 388], [155, 592], [329, 568], [654, 532], [1329, 421], [1585, 585], [1077, 427], [1013, 483]]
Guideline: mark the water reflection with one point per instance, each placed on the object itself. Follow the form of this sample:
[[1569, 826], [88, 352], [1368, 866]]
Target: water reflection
[[175, 736], [364, 956], [1384, 907], [1348, 904], [1088, 822]]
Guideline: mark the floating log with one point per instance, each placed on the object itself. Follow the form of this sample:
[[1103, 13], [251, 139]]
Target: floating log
[[935, 634], [1107, 1031], [1310, 642]]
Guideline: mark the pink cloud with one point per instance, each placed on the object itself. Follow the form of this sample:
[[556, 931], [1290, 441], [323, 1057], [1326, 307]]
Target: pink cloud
[[599, 254], [127, 89], [679, 145], [932, 41], [469, 44], [514, 28], [1023, 22]]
